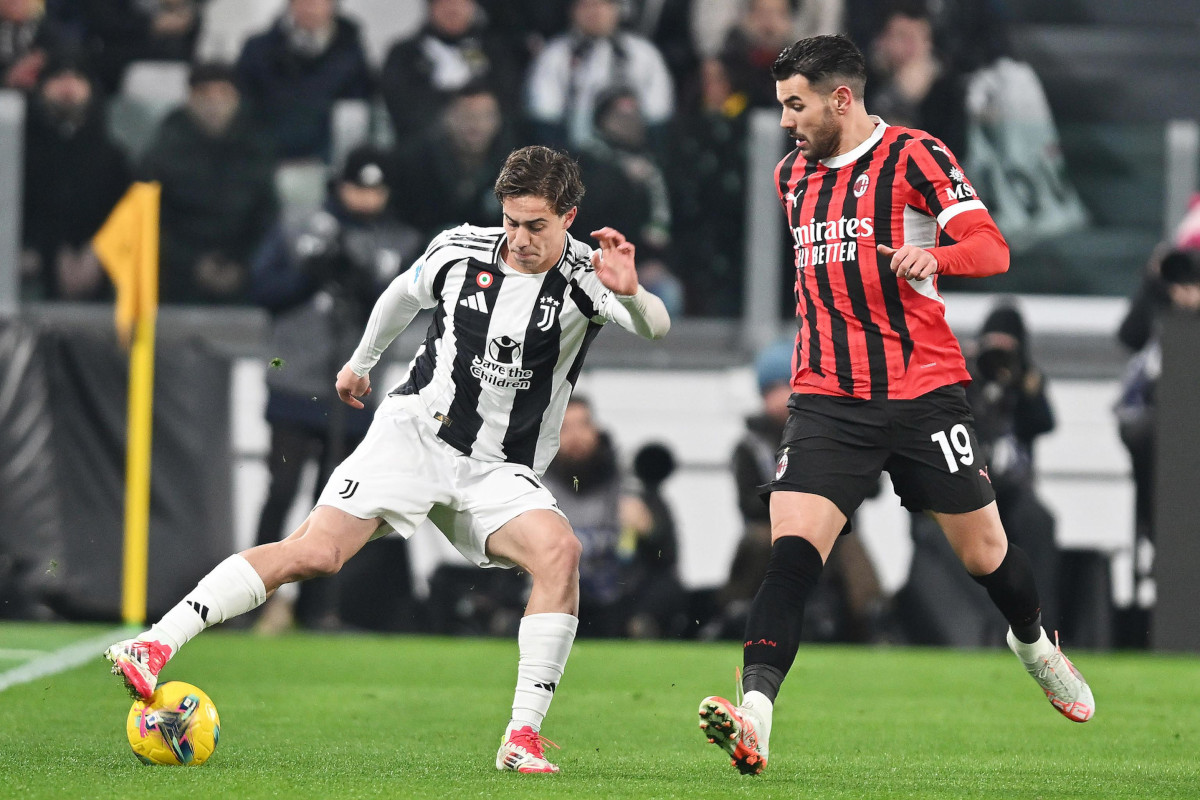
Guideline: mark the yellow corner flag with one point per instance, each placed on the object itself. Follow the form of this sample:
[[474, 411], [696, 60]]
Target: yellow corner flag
[[127, 246]]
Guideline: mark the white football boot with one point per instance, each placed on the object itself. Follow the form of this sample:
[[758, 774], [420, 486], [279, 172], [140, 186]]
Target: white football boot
[[1065, 688], [735, 730], [521, 751]]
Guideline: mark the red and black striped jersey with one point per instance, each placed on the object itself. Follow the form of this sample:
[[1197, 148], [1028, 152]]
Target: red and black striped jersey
[[864, 332]]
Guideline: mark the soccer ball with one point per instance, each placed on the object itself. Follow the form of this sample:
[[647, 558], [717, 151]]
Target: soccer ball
[[177, 726]]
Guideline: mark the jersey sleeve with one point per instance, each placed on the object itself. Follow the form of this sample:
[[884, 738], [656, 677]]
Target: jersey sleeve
[[407, 294], [939, 185], [642, 313]]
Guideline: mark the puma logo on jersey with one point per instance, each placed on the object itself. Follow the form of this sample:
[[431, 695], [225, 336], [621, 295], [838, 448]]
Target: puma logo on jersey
[[475, 302]]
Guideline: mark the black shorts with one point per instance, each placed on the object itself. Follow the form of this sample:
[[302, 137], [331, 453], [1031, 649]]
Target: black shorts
[[836, 447]]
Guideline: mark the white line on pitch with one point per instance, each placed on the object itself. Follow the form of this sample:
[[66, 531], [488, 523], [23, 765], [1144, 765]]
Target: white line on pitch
[[62, 659]]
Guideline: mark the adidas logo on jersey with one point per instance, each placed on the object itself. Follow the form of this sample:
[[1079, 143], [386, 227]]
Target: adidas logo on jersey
[[476, 301]]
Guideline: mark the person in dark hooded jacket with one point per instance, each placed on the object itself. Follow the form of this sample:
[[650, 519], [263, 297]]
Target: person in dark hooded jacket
[[319, 278], [218, 191], [293, 74], [74, 175], [453, 50]]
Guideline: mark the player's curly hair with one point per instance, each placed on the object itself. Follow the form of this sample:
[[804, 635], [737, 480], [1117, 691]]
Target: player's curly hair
[[537, 171], [826, 61]]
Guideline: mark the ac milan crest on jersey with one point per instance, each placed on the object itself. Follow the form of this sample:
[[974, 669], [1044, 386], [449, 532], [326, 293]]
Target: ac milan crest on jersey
[[864, 332]]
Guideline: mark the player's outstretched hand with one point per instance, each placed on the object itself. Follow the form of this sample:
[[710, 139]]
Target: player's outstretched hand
[[910, 262], [351, 386], [614, 262]]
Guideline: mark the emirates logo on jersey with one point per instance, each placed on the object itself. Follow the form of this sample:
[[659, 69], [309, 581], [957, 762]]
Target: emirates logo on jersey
[[483, 280], [861, 185]]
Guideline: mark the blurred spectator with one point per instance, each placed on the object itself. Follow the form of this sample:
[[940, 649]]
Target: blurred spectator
[[753, 464], [122, 31], [27, 38], [706, 167], [320, 279], [1172, 285], [968, 33], [655, 601], [667, 24], [74, 175], [627, 190], [909, 84], [1008, 399], [294, 73], [713, 20], [527, 24], [586, 480], [574, 68], [218, 192], [752, 45], [454, 48], [456, 165], [847, 607]]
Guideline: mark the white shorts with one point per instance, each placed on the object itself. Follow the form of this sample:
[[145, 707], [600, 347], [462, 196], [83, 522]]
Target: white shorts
[[404, 474]]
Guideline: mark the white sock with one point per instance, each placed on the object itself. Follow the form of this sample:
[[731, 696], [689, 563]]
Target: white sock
[[545, 642], [762, 707], [1030, 653], [232, 588]]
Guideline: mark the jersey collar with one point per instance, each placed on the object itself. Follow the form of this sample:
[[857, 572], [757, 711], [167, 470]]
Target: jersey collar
[[838, 162]]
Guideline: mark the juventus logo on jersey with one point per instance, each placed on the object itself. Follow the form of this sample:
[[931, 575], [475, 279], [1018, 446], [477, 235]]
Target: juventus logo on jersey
[[548, 307], [476, 302], [349, 489]]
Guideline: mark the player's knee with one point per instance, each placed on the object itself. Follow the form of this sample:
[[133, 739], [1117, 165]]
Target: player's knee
[[984, 556], [318, 559], [560, 555]]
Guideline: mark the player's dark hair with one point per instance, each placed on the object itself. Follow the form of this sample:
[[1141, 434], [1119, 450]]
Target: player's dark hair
[[825, 61], [537, 171]]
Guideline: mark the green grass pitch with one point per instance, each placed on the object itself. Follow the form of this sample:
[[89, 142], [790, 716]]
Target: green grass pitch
[[307, 716]]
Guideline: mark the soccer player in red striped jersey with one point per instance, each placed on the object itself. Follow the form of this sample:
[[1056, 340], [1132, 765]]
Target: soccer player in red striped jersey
[[877, 377]]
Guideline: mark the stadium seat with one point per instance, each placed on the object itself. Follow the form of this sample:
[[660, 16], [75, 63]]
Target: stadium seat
[[300, 187], [150, 90], [351, 126], [383, 23], [228, 23]]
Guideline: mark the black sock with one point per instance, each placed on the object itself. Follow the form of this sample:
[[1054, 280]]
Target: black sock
[[773, 629], [1015, 593]]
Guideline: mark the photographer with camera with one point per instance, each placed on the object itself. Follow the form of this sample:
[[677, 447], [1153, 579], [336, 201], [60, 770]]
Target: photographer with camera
[[319, 279], [1007, 395], [1171, 285]]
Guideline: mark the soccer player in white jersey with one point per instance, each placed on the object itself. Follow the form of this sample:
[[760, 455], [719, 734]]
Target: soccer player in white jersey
[[465, 437]]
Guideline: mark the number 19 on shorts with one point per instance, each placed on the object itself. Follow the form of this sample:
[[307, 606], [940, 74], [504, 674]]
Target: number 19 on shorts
[[956, 446]]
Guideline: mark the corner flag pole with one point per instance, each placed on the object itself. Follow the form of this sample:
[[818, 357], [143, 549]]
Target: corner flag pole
[[127, 245], [141, 423], [137, 474]]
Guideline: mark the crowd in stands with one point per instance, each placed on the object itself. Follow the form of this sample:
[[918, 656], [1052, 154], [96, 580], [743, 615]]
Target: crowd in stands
[[651, 97]]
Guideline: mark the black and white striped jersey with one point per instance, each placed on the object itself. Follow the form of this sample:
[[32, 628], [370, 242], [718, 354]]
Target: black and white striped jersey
[[504, 348]]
